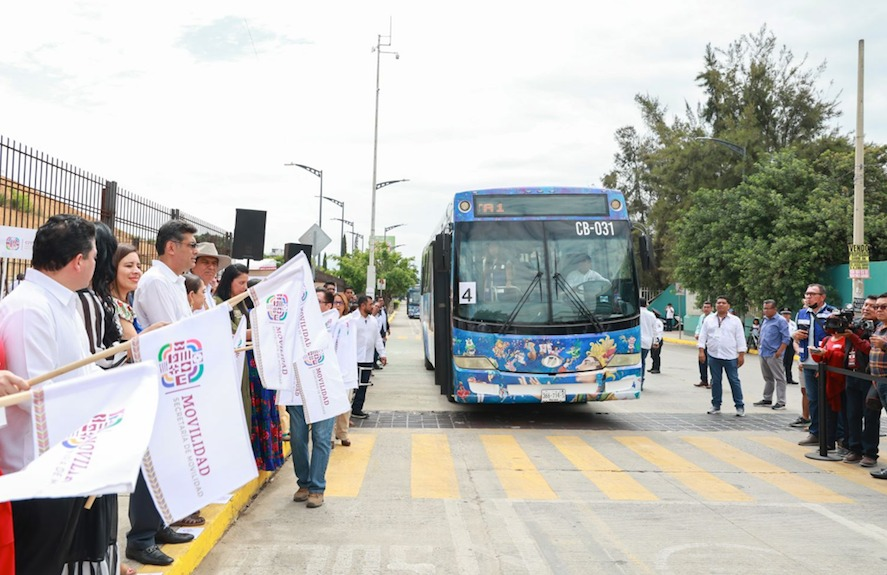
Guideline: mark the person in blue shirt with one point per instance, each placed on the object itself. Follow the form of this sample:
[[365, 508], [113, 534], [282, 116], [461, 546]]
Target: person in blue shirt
[[811, 331], [773, 340]]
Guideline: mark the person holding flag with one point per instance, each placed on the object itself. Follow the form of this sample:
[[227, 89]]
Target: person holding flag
[[369, 340], [41, 331]]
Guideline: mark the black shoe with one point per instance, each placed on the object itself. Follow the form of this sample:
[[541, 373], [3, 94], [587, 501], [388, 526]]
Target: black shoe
[[150, 556], [654, 371], [359, 415], [170, 536], [879, 474], [763, 403]]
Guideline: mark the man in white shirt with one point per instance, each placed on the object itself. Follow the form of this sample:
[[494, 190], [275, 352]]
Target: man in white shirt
[[584, 274], [651, 335], [369, 339], [42, 331], [160, 297], [703, 363], [207, 266], [723, 336]]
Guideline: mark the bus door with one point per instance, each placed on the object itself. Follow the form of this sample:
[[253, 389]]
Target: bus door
[[442, 313]]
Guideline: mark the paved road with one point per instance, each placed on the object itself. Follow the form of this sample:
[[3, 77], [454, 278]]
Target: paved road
[[648, 486]]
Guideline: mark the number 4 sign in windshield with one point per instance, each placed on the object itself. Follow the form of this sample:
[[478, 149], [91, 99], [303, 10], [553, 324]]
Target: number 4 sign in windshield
[[467, 292]]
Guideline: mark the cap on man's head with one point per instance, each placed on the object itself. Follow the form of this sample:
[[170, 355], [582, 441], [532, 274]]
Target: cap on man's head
[[208, 250], [785, 310]]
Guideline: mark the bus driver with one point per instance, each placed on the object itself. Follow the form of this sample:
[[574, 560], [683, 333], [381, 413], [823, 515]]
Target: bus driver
[[583, 274]]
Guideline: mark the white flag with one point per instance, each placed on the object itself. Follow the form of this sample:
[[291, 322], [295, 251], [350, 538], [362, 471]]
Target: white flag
[[200, 449], [278, 301], [345, 339], [240, 342], [318, 379], [91, 433]]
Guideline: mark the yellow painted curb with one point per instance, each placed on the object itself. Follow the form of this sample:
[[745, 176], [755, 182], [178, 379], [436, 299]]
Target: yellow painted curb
[[218, 519]]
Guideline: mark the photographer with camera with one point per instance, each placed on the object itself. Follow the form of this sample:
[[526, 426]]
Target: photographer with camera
[[878, 359], [811, 330], [862, 421], [835, 351]]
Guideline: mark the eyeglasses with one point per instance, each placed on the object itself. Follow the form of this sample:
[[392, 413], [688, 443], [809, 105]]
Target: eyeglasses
[[192, 245], [338, 304], [876, 306], [813, 293]]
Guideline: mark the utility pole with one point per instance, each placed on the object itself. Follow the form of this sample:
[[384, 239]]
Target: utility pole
[[859, 251]]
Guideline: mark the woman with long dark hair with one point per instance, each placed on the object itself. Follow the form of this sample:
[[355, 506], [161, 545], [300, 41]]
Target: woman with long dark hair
[[94, 548], [127, 273], [259, 404]]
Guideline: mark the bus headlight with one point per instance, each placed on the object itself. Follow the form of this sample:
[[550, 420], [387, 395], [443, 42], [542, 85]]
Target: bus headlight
[[474, 362]]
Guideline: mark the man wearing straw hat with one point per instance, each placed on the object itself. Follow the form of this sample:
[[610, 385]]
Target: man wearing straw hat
[[207, 266], [41, 332], [161, 297]]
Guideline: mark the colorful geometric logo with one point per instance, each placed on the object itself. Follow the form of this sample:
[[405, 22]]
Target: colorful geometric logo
[[181, 362], [95, 426], [13, 243], [313, 358], [278, 306]]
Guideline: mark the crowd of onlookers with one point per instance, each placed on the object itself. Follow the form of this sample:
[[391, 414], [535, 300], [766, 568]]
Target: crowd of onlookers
[[853, 346], [86, 293]]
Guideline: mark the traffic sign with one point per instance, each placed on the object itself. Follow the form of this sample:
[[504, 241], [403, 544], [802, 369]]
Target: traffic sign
[[316, 238]]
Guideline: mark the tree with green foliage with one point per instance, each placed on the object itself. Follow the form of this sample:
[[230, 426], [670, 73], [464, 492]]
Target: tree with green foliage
[[758, 97], [780, 229], [399, 273]]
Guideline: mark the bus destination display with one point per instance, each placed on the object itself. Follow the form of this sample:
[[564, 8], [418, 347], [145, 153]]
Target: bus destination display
[[569, 205]]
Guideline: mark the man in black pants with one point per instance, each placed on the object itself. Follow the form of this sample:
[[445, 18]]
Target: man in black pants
[[369, 340], [788, 358], [703, 365]]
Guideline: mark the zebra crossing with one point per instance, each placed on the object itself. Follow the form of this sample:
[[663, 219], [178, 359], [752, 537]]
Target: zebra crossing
[[548, 466]]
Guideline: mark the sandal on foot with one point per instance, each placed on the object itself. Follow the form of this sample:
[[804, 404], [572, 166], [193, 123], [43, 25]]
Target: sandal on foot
[[193, 520]]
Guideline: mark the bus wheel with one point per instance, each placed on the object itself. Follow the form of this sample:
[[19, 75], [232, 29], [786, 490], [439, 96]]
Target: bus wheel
[[428, 365], [451, 398]]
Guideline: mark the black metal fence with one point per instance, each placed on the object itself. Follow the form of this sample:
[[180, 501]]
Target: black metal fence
[[34, 186]]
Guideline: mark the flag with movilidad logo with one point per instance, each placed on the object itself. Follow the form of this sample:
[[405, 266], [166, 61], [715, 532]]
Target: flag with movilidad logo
[[274, 320], [198, 451], [90, 435], [319, 387], [345, 339]]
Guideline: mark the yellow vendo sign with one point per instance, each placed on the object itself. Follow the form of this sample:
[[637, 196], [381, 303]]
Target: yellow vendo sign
[[859, 261]]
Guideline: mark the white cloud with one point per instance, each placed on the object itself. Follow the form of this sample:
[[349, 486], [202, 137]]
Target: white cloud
[[199, 105]]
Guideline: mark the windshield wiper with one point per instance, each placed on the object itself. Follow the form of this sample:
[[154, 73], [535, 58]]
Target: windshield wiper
[[536, 281], [577, 302]]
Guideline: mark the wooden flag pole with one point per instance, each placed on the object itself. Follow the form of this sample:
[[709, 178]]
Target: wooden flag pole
[[22, 396]]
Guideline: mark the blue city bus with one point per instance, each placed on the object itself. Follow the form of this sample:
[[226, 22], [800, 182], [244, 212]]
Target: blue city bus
[[531, 295], [414, 297]]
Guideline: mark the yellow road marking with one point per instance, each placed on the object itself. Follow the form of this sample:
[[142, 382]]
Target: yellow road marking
[[853, 473], [791, 483], [432, 473], [691, 475], [348, 466], [614, 482], [519, 477]]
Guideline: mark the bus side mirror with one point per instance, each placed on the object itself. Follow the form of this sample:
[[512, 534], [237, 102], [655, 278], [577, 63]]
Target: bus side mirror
[[648, 261]]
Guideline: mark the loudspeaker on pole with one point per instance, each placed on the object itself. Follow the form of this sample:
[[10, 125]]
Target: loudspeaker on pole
[[249, 235]]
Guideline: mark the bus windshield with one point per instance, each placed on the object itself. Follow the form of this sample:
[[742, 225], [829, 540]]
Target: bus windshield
[[544, 272], [414, 296]]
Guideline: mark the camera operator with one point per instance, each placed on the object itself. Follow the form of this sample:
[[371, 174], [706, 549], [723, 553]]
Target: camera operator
[[878, 358], [811, 331], [834, 351], [862, 422]]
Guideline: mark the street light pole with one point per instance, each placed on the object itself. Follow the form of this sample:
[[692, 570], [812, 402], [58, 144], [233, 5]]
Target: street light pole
[[351, 224], [388, 229], [736, 148], [319, 174], [371, 267], [341, 204]]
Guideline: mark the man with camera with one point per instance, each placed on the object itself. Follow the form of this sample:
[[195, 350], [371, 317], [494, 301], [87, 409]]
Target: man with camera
[[878, 359], [862, 421], [811, 331]]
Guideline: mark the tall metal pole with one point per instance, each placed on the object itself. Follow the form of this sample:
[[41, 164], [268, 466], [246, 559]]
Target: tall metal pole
[[319, 174], [859, 191], [371, 267]]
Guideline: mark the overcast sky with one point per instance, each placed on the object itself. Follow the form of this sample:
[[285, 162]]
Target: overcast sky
[[199, 104]]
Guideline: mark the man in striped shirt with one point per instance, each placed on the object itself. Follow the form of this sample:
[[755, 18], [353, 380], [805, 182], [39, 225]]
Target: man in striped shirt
[[878, 359]]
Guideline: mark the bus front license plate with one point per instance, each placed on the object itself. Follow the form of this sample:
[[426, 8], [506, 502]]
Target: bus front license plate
[[554, 395]]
